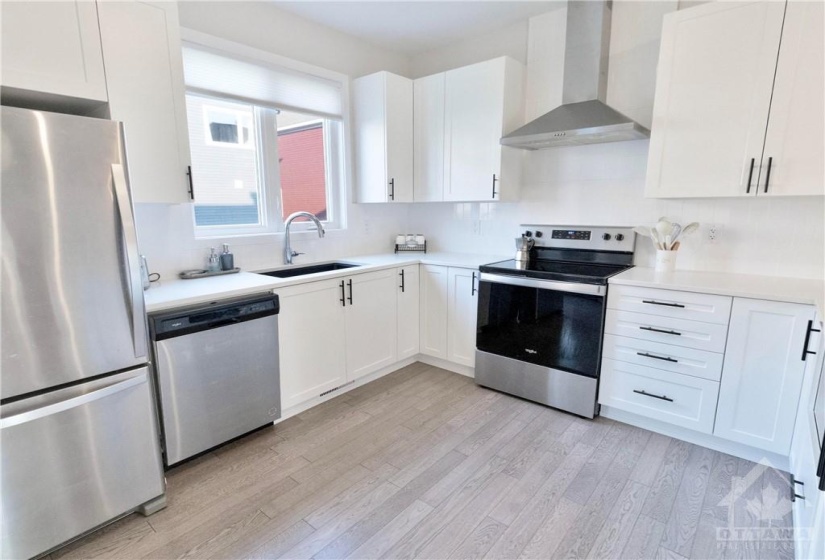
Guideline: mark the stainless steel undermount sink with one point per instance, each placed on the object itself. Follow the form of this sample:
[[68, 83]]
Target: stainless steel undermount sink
[[308, 269]]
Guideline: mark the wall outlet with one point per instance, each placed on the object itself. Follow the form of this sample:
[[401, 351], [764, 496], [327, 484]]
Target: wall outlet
[[714, 232]]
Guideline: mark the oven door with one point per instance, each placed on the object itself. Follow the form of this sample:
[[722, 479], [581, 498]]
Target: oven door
[[557, 325]]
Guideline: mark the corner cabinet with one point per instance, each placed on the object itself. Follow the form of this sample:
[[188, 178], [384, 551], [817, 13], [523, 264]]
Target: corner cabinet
[[52, 48], [371, 322], [762, 373], [383, 129], [735, 113], [144, 71], [483, 102]]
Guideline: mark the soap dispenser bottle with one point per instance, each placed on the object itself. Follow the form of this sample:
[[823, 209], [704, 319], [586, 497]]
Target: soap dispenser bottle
[[227, 258], [213, 263]]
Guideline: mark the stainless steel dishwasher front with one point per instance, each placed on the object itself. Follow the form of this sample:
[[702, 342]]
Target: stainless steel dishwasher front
[[218, 372]]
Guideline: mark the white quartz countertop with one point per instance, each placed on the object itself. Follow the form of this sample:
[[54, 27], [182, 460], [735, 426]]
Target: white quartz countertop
[[791, 290], [172, 293]]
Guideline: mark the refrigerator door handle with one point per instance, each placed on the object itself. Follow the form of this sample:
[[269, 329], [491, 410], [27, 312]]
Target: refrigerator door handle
[[70, 403], [127, 220]]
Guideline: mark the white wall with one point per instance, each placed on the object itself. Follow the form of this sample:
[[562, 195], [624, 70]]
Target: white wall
[[603, 184], [166, 232]]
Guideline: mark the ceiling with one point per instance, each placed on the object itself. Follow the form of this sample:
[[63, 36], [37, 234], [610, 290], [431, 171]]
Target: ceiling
[[415, 27]]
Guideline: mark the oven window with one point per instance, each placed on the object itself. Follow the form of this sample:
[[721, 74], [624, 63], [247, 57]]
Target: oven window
[[559, 330]]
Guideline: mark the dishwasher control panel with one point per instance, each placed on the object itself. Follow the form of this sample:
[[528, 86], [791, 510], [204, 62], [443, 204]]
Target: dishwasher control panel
[[193, 319]]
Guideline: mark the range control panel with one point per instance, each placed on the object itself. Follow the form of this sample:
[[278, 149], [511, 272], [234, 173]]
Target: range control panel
[[594, 238]]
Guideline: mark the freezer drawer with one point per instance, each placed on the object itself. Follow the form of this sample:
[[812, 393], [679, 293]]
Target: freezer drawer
[[217, 384], [76, 458]]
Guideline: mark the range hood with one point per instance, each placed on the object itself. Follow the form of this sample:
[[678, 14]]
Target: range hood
[[583, 117]]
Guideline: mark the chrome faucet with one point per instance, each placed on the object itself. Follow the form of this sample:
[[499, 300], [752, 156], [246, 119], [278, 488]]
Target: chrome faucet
[[288, 252]]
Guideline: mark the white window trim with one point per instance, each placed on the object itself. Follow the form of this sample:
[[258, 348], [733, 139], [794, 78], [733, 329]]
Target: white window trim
[[338, 200]]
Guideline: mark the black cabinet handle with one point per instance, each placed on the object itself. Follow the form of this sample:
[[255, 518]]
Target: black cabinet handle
[[663, 331], [402, 280], [663, 358], [473, 289], [793, 484], [805, 344], [191, 184], [349, 283], [660, 397], [750, 175], [820, 469], [495, 180], [768, 173], [343, 299], [651, 302], [392, 189]]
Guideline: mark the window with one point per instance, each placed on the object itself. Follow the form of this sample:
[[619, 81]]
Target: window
[[255, 162]]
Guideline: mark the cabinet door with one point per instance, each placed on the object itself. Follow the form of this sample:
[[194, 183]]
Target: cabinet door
[[428, 137], [474, 113], [383, 128], [433, 318], [462, 305], [795, 139], [762, 374], [311, 340], [53, 47], [371, 329], [408, 310], [144, 72], [713, 92]]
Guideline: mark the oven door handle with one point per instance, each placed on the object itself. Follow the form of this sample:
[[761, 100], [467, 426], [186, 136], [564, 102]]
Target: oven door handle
[[588, 289]]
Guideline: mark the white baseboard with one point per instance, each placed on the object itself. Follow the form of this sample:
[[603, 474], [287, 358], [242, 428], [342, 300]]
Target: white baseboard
[[299, 408], [705, 440], [445, 364]]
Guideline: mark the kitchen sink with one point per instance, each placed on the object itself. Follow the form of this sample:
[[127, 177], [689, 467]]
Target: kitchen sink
[[308, 269]]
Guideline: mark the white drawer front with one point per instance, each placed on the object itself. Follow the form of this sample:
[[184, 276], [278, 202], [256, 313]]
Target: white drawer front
[[683, 400], [679, 332], [687, 361], [670, 303]]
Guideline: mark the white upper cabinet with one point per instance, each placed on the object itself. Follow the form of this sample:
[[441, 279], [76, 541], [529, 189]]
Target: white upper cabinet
[[428, 137], [763, 372], [483, 102], [52, 48], [144, 72], [383, 130], [713, 94], [794, 143]]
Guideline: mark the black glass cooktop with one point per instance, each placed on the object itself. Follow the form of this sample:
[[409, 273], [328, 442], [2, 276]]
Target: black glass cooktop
[[563, 271]]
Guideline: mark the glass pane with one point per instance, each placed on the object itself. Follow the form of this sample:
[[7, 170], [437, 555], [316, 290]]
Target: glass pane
[[303, 164], [224, 162]]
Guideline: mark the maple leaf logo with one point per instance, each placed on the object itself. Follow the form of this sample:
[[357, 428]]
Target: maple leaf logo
[[773, 506]]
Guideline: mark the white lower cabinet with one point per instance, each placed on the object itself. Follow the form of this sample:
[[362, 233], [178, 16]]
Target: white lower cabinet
[[371, 327], [682, 400], [449, 306], [409, 301], [763, 372], [462, 310], [335, 331], [434, 288], [312, 340]]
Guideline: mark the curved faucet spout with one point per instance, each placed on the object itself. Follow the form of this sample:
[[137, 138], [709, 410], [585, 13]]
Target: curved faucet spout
[[288, 252]]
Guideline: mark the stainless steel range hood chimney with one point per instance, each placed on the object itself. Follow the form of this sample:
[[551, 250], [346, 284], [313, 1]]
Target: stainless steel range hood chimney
[[583, 117]]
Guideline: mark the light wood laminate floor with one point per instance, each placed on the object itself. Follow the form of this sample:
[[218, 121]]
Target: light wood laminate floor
[[423, 463]]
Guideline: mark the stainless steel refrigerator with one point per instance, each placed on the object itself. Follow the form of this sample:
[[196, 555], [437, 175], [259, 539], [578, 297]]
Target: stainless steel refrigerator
[[78, 425]]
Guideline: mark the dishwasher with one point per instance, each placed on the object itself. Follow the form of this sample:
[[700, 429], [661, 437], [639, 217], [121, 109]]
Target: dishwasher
[[217, 371]]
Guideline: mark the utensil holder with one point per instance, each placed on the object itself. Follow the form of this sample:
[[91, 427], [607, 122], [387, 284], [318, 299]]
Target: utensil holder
[[665, 260]]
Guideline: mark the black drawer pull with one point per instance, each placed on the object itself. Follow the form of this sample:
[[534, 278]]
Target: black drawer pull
[[663, 331], [651, 302], [663, 358], [349, 298], [805, 344], [660, 397], [402, 280], [750, 175], [343, 297]]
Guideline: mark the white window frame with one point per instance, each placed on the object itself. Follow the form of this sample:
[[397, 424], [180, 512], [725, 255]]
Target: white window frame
[[337, 150]]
